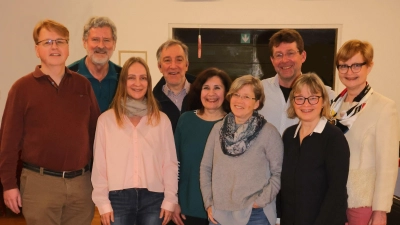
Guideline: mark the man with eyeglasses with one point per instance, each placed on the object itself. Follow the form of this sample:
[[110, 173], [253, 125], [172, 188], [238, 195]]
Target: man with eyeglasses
[[50, 117], [287, 56], [99, 40]]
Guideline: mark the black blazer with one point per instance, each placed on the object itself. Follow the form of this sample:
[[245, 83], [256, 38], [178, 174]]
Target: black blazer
[[314, 178], [166, 105]]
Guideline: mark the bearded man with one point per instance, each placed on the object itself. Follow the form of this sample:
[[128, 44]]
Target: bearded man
[[99, 40]]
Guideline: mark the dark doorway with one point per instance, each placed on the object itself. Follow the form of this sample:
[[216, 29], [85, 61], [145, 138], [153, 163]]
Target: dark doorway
[[224, 48]]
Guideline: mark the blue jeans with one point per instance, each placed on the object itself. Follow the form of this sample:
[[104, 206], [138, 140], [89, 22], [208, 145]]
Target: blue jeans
[[136, 206], [257, 217]]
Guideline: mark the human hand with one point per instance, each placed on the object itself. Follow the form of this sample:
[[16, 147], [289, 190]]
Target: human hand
[[255, 206], [12, 199], [176, 216], [210, 215], [107, 217], [378, 218], [167, 215]]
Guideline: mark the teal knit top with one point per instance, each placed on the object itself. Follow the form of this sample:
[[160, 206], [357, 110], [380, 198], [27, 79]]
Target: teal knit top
[[190, 139]]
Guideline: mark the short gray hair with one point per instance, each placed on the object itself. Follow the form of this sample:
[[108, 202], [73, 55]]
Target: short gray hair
[[253, 82], [170, 43], [99, 21]]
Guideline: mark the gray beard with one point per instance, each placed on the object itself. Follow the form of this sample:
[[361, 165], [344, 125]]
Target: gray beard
[[100, 62]]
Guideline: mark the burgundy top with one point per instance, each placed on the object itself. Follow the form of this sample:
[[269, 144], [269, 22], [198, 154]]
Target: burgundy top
[[52, 125]]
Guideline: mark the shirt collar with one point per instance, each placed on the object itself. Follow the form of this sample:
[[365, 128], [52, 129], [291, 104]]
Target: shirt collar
[[318, 129], [168, 91], [83, 70], [37, 73], [276, 81]]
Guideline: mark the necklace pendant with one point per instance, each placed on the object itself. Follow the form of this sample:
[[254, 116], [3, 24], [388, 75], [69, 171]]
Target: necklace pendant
[[332, 121]]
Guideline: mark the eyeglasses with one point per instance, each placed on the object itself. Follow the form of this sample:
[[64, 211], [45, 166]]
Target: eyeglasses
[[355, 67], [243, 97], [49, 42], [300, 100], [289, 55]]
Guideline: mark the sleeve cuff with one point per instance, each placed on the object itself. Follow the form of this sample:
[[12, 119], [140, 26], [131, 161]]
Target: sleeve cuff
[[104, 209], [168, 206]]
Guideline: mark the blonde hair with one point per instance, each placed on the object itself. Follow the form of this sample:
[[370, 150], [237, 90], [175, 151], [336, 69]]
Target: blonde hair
[[315, 84], [50, 25], [118, 103], [248, 80]]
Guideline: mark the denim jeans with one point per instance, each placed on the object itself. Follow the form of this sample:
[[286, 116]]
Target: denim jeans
[[257, 217], [136, 206]]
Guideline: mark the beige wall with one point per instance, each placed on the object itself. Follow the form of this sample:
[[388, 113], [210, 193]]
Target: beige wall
[[145, 24]]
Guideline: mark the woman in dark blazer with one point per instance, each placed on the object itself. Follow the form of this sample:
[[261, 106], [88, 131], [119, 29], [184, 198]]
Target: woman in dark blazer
[[316, 160]]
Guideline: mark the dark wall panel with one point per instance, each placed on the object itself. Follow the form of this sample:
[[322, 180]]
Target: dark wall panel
[[222, 48]]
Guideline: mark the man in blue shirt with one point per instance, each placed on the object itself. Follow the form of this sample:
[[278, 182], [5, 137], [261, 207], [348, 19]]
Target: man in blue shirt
[[99, 40]]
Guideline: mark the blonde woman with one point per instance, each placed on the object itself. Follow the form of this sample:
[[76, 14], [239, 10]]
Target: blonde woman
[[315, 161], [135, 167]]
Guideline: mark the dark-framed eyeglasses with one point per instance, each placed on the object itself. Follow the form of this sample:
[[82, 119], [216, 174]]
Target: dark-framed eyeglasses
[[48, 42], [290, 54], [355, 67], [243, 97], [300, 100]]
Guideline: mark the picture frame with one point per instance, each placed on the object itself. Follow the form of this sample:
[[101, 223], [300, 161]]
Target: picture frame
[[124, 55]]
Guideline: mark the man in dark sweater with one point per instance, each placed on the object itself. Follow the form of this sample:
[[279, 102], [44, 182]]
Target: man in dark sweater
[[99, 40], [50, 116], [171, 90]]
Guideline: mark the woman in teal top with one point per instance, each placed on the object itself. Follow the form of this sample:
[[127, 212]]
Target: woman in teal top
[[207, 105]]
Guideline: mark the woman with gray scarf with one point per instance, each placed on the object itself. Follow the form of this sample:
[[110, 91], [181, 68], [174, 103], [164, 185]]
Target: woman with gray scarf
[[241, 166], [135, 169]]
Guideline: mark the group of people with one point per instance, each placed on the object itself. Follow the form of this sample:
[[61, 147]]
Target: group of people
[[195, 150]]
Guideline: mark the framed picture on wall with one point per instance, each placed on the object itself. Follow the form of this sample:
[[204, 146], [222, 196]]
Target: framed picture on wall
[[124, 55]]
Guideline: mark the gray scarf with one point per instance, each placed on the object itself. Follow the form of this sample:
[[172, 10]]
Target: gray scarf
[[235, 140], [134, 107]]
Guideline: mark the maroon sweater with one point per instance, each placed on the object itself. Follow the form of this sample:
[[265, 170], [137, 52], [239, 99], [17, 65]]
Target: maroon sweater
[[52, 125]]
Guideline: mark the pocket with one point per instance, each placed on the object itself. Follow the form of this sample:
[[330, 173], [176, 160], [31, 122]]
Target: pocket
[[156, 197], [23, 180], [115, 193], [80, 102]]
